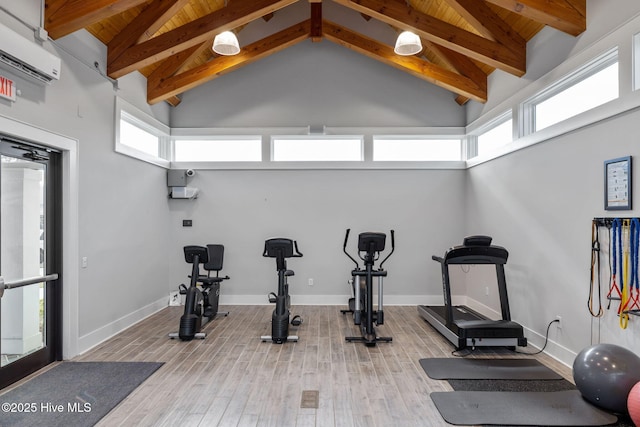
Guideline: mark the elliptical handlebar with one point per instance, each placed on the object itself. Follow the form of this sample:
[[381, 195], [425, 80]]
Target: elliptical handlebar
[[344, 249], [393, 248]]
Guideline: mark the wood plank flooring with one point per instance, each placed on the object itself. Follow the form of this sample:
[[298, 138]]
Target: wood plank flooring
[[232, 378]]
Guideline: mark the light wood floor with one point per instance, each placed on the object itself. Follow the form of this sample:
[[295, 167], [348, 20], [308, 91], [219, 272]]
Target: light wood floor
[[232, 378]]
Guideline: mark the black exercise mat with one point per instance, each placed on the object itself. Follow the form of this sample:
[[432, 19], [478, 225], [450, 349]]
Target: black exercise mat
[[560, 408], [487, 369], [73, 393]]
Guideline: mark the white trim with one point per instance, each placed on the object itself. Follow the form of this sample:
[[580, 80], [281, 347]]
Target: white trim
[[612, 108], [369, 165], [145, 122], [340, 300], [70, 233], [93, 338]]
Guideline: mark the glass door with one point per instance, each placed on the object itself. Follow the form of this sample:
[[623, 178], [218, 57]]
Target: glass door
[[29, 259]]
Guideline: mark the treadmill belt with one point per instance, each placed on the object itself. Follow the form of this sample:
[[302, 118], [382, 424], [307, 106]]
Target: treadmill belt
[[560, 408], [487, 369]]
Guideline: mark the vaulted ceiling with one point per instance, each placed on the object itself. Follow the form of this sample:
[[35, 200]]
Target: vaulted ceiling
[[169, 41]]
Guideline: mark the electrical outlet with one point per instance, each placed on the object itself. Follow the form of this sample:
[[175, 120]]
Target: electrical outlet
[[559, 322], [486, 291], [310, 282]]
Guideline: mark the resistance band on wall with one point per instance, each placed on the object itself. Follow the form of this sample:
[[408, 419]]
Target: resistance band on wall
[[624, 283]]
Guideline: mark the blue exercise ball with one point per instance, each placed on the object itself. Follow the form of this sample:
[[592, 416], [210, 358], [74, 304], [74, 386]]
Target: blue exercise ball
[[605, 374]]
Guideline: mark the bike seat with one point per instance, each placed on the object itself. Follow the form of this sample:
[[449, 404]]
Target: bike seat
[[288, 273]]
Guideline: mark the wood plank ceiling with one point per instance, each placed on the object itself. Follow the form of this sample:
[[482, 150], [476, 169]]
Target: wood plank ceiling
[[169, 41]]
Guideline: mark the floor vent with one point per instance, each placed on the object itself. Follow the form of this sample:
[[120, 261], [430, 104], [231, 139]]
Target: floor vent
[[310, 399]]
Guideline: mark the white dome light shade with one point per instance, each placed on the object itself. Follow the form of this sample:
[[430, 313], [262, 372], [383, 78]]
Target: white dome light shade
[[226, 43], [407, 44]]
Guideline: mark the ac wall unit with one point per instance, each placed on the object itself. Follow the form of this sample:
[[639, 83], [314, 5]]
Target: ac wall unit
[[19, 53]]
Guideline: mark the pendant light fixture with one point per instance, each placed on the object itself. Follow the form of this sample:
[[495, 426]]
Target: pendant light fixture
[[226, 43], [407, 44]]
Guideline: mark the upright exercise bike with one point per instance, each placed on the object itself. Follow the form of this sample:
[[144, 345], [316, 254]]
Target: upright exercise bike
[[201, 303], [361, 305], [281, 249]]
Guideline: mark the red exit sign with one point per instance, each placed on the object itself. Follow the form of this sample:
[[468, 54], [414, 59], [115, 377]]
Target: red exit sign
[[7, 88]]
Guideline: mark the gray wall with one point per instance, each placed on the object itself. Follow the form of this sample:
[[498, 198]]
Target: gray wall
[[243, 208], [317, 84]]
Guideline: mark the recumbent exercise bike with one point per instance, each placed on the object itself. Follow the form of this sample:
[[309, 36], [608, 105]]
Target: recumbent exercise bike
[[201, 306], [281, 249], [361, 305]]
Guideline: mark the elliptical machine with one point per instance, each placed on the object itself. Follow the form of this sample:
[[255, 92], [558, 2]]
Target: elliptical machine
[[200, 306], [361, 305], [281, 249]]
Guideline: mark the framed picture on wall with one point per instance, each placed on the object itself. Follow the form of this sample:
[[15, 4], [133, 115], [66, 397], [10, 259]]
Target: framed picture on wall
[[617, 184]]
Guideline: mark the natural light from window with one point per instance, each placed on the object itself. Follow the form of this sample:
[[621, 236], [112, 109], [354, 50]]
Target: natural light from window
[[595, 90], [138, 138], [415, 149], [497, 136], [218, 150], [317, 149]]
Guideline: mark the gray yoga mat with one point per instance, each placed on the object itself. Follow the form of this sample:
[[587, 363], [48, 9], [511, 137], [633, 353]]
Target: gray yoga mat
[[559, 408], [487, 369], [74, 394]]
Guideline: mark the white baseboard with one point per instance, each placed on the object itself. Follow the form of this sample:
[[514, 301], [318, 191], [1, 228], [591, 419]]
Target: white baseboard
[[92, 339], [328, 299]]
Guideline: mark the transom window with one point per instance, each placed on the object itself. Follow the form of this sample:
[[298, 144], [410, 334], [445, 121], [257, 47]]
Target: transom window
[[227, 149], [316, 149], [591, 86], [496, 136], [406, 149]]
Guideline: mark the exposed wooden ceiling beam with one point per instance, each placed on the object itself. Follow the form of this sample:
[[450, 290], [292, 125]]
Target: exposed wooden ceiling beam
[[418, 67], [564, 15], [176, 63], [488, 23], [159, 88], [145, 25], [462, 64], [195, 32], [316, 21], [63, 17], [479, 48]]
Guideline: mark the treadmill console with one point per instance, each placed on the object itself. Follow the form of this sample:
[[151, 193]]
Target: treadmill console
[[477, 241]]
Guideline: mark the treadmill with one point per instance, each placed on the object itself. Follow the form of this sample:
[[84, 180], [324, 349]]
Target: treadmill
[[461, 325]]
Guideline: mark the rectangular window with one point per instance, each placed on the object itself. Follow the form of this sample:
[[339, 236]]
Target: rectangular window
[[495, 137], [317, 149], [141, 136], [589, 87], [227, 149], [134, 136], [413, 149]]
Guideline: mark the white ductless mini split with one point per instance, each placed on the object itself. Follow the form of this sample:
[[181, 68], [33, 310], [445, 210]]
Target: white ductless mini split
[[18, 53]]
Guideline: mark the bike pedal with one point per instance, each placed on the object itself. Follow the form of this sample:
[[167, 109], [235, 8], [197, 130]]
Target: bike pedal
[[182, 289], [296, 321], [272, 298]]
